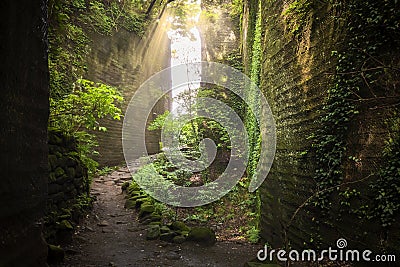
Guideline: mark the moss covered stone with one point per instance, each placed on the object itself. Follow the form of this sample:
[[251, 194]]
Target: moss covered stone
[[146, 208], [202, 235], [130, 204], [180, 226], [59, 172], [168, 236], [153, 232]]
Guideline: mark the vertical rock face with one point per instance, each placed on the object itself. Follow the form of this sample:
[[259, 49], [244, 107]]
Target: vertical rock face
[[293, 80], [218, 33], [295, 76], [23, 142], [125, 60]]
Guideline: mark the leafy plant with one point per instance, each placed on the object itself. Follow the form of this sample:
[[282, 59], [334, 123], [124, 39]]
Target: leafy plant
[[253, 234], [81, 111], [85, 106], [387, 188], [105, 171]]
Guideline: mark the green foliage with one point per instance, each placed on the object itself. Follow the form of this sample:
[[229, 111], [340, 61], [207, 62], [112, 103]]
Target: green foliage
[[159, 122], [86, 145], [105, 171], [387, 188], [69, 23], [104, 18], [98, 18], [253, 234], [297, 13], [184, 13], [82, 109], [236, 8], [68, 48], [253, 96], [83, 203], [363, 73]]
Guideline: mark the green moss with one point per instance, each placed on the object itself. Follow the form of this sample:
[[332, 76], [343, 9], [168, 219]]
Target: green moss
[[153, 232], [65, 225], [130, 204], [179, 226], [202, 235]]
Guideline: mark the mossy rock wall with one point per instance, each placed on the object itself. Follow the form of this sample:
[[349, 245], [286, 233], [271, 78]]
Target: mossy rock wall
[[298, 66], [68, 187]]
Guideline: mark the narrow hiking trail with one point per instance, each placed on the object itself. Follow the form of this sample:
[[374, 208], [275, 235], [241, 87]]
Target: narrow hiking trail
[[111, 235]]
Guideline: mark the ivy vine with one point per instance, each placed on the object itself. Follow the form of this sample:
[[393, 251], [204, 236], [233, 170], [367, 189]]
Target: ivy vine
[[364, 72]]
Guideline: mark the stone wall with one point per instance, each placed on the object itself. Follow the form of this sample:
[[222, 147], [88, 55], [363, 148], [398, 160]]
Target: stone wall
[[68, 188], [294, 82], [125, 60], [296, 73], [24, 112], [219, 34]]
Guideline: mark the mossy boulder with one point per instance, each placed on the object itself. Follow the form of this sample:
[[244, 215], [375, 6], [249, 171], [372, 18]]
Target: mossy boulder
[[130, 204], [55, 254], [180, 226], [137, 194], [52, 162], [142, 200], [168, 236], [59, 172], [165, 229], [71, 172], [202, 235], [149, 218], [153, 232], [145, 209]]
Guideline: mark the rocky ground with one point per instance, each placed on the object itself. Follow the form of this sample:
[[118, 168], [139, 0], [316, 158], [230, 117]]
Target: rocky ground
[[112, 236]]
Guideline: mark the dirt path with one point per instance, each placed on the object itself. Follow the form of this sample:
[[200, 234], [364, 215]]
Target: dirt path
[[112, 236]]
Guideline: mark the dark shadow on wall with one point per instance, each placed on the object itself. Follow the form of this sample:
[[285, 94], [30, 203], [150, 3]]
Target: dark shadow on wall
[[23, 133]]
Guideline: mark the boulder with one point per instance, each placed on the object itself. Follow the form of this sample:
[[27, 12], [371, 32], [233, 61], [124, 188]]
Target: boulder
[[59, 172], [153, 232], [168, 236], [202, 235], [130, 204], [180, 226], [165, 229], [149, 218], [145, 209], [53, 162]]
